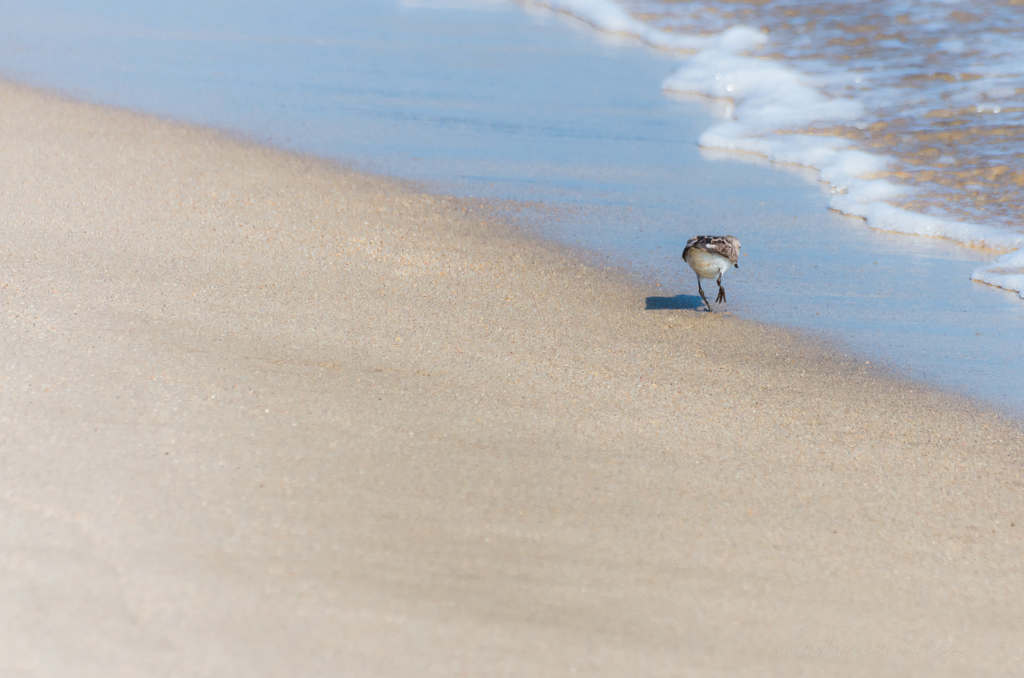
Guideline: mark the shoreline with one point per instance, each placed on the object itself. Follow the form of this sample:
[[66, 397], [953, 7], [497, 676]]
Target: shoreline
[[632, 178], [263, 414]]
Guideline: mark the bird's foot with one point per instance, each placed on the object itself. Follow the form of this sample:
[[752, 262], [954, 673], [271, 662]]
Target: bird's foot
[[721, 296]]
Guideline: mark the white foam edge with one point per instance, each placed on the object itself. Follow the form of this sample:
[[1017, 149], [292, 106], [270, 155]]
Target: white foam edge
[[843, 168], [611, 17], [767, 97], [1006, 272]]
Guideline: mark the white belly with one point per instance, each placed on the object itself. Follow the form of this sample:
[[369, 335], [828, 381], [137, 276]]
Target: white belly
[[706, 264]]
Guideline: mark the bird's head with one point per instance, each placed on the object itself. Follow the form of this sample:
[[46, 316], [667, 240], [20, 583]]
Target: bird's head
[[735, 243]]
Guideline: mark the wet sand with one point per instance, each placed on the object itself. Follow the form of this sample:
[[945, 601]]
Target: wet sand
[[265, 416]]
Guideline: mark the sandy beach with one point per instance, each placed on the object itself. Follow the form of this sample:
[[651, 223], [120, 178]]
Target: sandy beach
[[265, 416]]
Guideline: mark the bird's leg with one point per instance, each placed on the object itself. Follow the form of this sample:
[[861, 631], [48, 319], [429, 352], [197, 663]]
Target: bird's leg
[[721, 291], [702, 295]]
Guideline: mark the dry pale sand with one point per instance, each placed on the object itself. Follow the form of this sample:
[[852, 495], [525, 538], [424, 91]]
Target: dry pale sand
[[265, 417]]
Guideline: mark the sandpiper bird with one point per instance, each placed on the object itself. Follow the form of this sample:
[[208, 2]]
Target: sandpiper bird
[[710, 256]]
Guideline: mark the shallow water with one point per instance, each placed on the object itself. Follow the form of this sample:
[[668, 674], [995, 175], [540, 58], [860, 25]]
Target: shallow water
[[941, 86], [911, 109], [498, 100]]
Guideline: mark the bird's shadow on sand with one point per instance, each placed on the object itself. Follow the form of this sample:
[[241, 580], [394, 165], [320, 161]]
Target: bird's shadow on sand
[[685, 302]]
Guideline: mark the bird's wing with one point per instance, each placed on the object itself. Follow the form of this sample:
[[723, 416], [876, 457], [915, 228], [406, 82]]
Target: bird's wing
[[722, 245], [716, 244]]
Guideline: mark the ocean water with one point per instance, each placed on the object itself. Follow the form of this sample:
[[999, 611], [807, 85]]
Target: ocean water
[[912, 110], [584, 113]]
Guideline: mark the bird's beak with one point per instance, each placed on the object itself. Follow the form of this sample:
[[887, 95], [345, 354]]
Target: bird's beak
[[736, 265]]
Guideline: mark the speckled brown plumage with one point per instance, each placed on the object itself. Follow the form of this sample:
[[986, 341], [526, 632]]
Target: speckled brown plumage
[[724, 245], [710, 256]]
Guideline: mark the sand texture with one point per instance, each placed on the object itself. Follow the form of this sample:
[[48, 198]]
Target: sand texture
[[261, 416]]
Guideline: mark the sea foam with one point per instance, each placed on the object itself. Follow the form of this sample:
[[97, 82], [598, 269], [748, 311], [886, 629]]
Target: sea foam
[[774, 105], [613, 18]]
